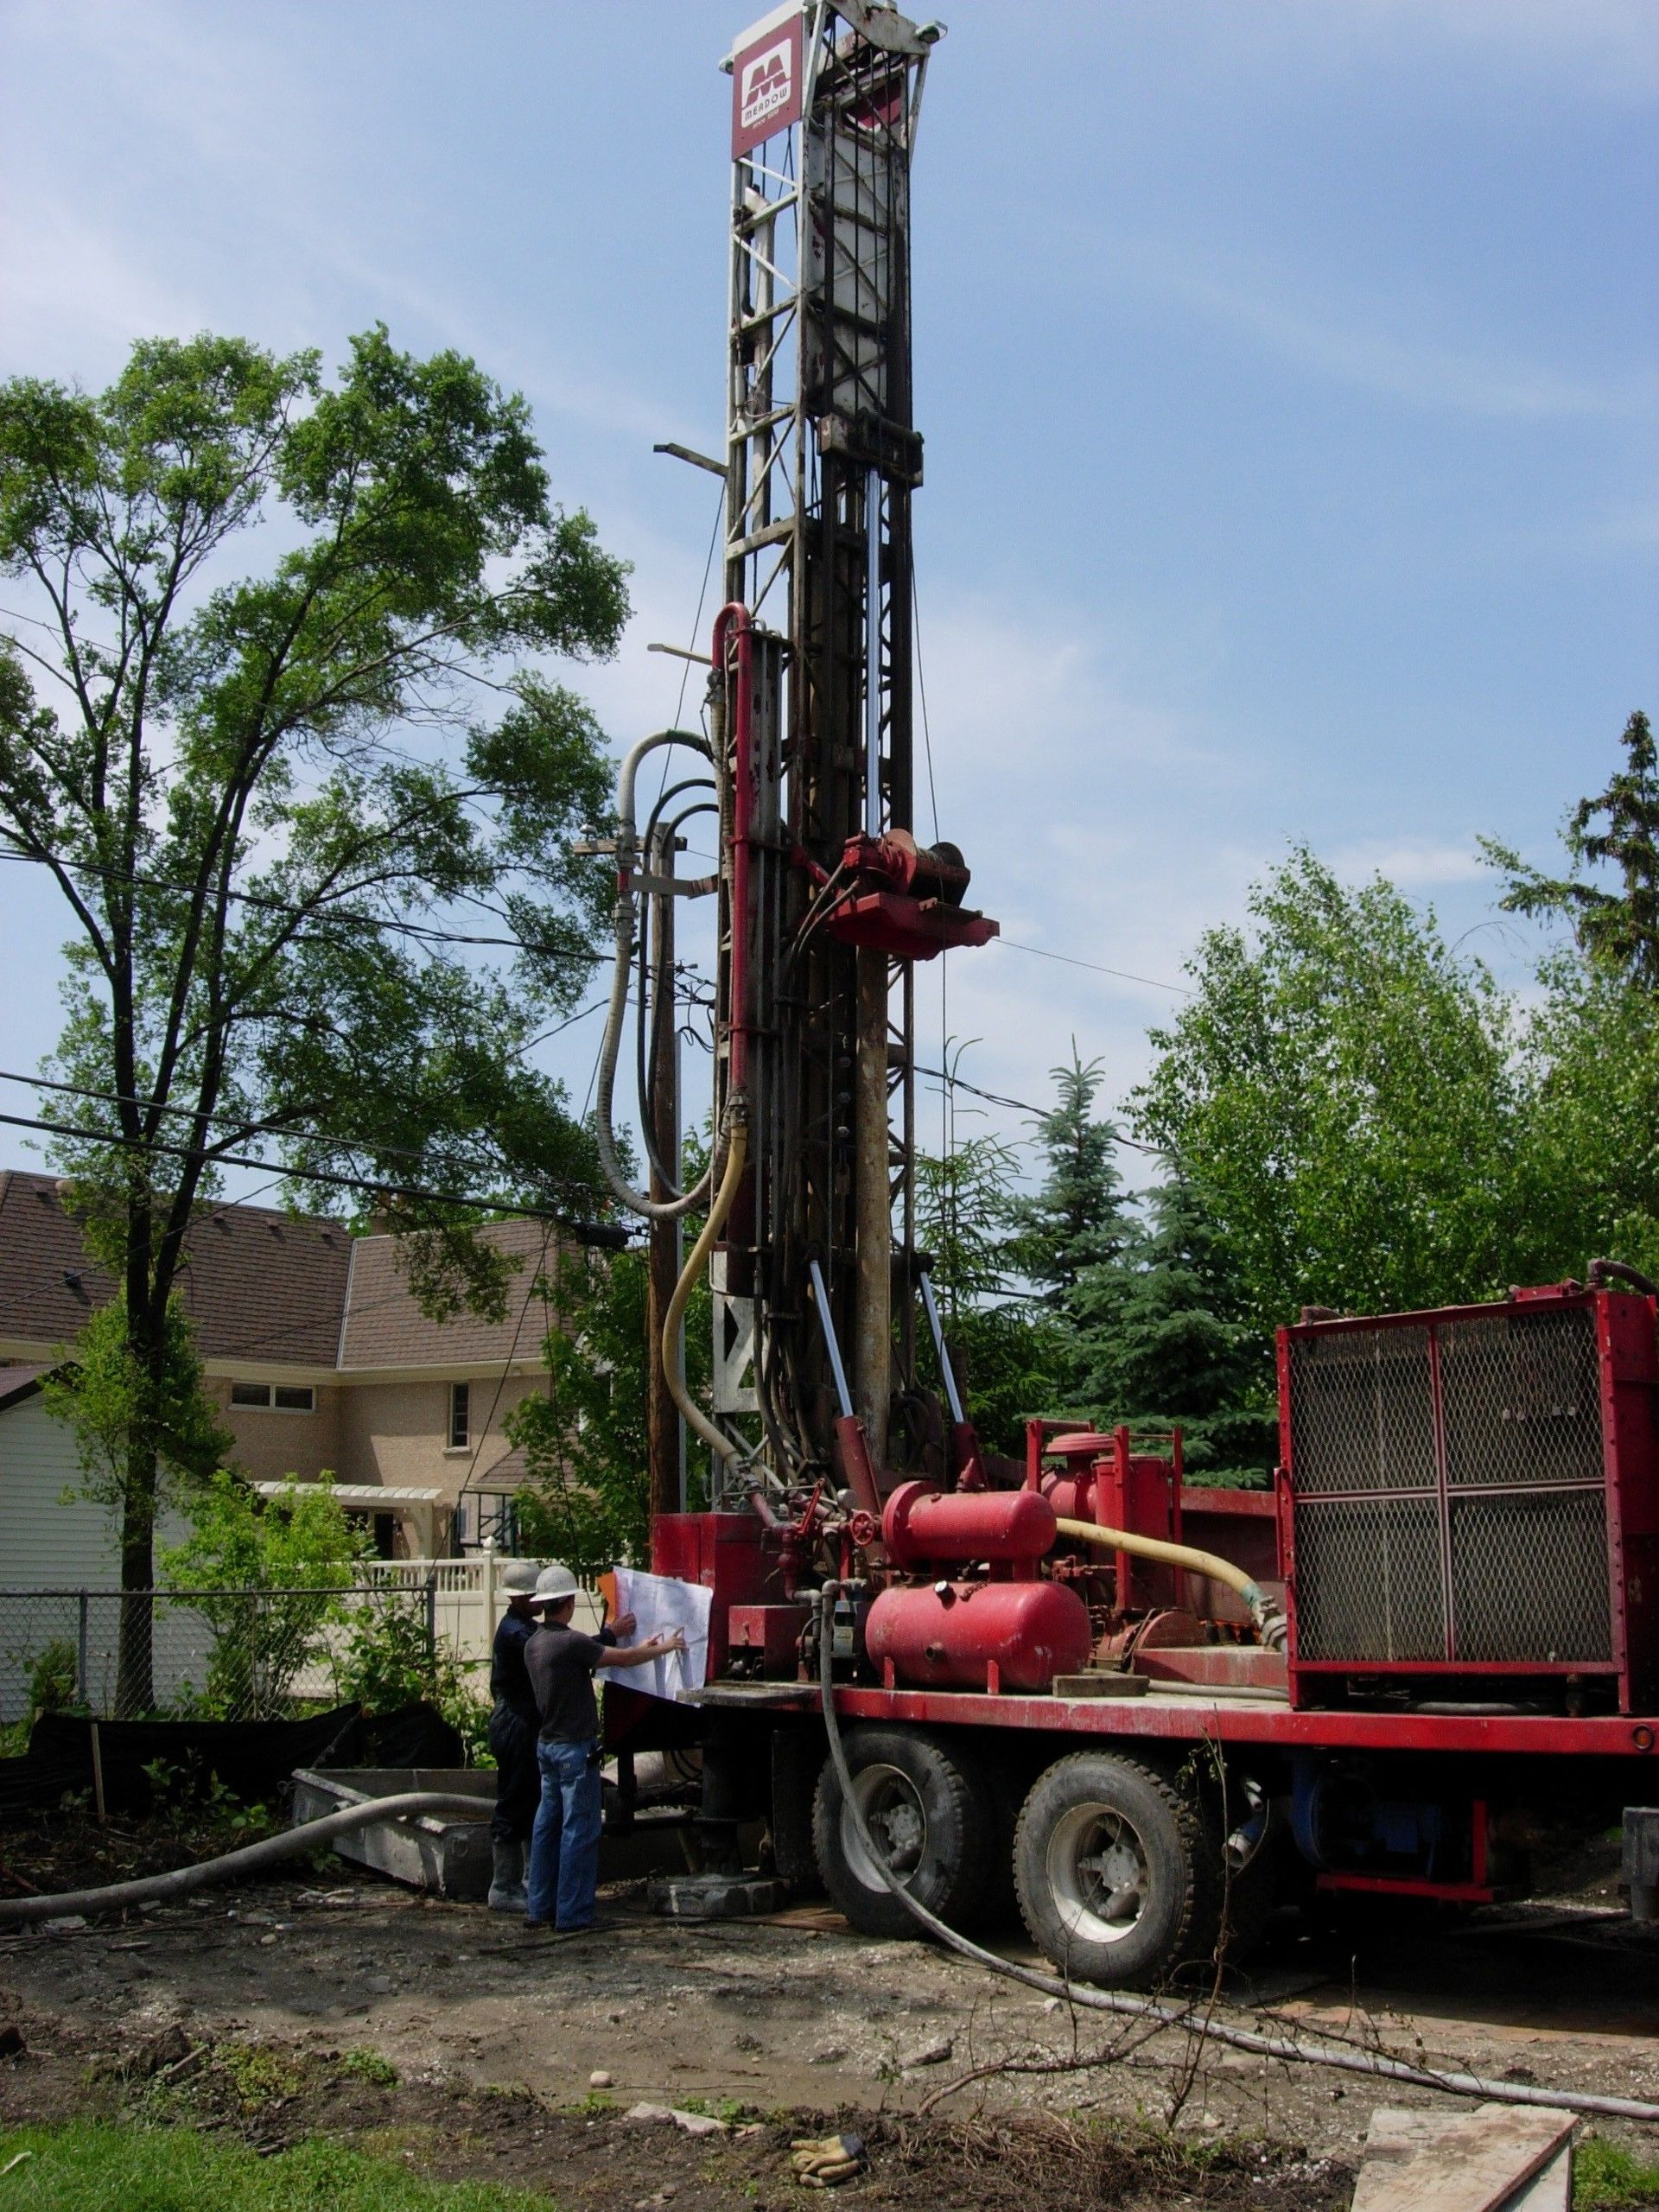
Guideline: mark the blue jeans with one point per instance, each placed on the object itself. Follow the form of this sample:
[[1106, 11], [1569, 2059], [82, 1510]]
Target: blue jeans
[[564, 1842]]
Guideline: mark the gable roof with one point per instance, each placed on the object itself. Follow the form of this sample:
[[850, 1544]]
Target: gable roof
[[265, 1286], [384, 1327]]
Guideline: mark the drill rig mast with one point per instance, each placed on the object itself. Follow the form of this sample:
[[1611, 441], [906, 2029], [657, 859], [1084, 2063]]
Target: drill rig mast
[[825, 899]]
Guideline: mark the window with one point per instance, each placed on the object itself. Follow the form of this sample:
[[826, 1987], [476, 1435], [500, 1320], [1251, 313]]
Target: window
[[287, 1397], [460, 1415]]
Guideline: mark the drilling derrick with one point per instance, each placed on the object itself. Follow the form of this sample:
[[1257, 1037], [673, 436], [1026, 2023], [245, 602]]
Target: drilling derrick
[[815, 988]]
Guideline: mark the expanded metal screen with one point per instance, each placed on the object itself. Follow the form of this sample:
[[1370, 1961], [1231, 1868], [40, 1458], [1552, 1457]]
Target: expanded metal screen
[[1449, 1491]]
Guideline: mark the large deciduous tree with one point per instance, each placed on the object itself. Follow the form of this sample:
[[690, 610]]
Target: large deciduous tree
[[267, 796], [1344, 1094]]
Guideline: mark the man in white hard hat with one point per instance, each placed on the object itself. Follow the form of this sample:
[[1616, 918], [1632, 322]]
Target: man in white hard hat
[[513, 1723], [560, 1661]]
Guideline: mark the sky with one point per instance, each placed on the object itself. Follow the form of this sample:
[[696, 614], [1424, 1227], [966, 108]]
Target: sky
[[1288, 374]]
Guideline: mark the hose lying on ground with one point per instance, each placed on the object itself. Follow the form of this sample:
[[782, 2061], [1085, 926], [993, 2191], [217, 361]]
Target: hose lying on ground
[[1269, 1625], [250, 1860], [1175, 2016]]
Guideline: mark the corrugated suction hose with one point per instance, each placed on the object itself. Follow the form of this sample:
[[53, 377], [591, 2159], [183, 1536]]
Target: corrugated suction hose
[[252, 1858]]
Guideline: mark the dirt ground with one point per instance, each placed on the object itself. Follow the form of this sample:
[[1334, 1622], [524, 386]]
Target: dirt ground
[[448, 2036]]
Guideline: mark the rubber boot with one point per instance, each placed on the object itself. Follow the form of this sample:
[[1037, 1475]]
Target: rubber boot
[[507, 1893]]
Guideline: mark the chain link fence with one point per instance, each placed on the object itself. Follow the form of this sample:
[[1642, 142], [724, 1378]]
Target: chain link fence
[[224, 1654]]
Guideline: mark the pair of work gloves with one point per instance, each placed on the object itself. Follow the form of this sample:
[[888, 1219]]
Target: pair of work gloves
[[827, 2162]]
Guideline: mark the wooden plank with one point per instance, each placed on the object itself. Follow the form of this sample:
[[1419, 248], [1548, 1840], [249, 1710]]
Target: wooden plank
[[1481, 2161]]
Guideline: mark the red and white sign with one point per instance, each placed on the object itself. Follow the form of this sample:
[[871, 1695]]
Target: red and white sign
[[767, 78]]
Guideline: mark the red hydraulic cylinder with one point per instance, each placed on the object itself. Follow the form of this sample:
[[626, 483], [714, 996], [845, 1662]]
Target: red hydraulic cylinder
[[921, 1523], [977, 1636]]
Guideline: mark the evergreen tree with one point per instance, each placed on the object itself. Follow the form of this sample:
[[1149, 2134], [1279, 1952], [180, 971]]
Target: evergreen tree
[[1175, 1352], [1617, 930], [1074, 1223]]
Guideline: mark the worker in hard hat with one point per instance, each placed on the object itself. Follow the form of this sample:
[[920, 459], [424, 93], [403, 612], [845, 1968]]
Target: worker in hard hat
[[560, 1661], [513, 1723]]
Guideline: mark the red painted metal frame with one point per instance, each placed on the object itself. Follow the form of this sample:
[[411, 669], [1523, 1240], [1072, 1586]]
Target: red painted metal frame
[[1629, 1368], [1194, 1719], [1476, 1891]]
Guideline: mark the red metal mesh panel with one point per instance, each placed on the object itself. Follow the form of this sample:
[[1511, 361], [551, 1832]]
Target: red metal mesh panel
[[1361, 1411], [1523, 1394], [1368, 1584], [1507, 1491], [1529, 1577]]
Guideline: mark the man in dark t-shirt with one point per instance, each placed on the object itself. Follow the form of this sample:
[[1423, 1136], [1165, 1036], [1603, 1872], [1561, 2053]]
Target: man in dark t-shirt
[[560, 1662], [513, 1723]]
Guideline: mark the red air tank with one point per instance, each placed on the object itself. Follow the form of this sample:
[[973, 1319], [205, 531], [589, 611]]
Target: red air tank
[[921, 1523], [950, 1637]]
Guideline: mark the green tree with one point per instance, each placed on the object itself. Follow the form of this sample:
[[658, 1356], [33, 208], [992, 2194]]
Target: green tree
[[588, 1497], [1617, 930], [1345, 1093], [265, 798], [266, 1573], [1075, 1221], [1177, 1354]]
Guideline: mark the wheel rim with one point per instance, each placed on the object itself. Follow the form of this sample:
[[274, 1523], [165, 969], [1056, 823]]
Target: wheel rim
[[1099, 1873], [897, 1820]]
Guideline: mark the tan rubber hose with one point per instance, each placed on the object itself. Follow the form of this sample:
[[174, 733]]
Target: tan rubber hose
[[1270, 1626], [737, 1149]]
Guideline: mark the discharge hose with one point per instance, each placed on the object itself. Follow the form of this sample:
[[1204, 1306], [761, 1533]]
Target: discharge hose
[[1288, 2048], [1269, 1625], [252, 1858], [627, 857], [737, 1147]]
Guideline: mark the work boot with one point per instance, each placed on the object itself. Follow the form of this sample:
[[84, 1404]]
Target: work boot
[[507, 1893]]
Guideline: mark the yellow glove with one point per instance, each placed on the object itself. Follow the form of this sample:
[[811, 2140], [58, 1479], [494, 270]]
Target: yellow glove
[[826, 2163]]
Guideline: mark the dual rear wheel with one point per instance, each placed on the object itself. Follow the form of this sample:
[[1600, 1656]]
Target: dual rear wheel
[[1124, 1874]]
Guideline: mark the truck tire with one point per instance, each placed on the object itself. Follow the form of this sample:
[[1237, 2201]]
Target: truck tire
[[1119, 1873], [926, 1801]]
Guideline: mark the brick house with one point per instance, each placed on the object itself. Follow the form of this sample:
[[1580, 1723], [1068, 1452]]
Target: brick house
[[317, 1354]]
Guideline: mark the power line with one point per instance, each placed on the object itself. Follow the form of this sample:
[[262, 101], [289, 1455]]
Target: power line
[[1182, 990], [1024, 1106], [373, 1187], [334, 917], [252, 1129]]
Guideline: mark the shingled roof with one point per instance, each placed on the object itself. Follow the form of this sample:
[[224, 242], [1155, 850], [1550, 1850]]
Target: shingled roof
[[263, 1285]]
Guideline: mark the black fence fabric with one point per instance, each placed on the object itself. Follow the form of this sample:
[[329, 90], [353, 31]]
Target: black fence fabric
[[253, 1760]]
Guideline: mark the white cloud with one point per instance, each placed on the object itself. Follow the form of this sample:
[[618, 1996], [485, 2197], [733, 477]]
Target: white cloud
[[1411, 863]]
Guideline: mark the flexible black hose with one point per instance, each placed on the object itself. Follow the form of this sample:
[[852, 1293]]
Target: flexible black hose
[[1172, 2015], [1600, 1269], [250, 1859]]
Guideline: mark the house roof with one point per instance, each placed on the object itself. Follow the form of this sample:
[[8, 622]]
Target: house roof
[[266, 1286], [384, 1327], [17, 1383]]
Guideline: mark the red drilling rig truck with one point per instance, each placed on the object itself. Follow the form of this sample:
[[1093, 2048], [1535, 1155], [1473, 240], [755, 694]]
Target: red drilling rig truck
[[1137, 1704]]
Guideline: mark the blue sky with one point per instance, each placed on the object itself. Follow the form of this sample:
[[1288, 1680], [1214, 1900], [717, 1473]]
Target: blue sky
[[1287, 372]]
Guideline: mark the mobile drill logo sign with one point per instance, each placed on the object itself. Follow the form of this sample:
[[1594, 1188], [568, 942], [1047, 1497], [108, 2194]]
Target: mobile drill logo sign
[[766, 80]]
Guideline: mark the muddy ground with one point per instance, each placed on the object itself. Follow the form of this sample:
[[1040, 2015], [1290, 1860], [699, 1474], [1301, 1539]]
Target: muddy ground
[[448, 2036]]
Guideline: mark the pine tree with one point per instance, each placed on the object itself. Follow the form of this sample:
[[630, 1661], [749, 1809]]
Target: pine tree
[[1076, 1223], [1617, 930], [1165, 1346]]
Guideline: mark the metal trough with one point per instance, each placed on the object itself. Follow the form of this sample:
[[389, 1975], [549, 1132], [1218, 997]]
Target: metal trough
[[445, 1852]]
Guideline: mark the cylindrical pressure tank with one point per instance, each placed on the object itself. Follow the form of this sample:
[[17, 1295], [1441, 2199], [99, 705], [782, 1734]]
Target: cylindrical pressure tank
[[921, 1523], [947, 1638], [1073, 1497]]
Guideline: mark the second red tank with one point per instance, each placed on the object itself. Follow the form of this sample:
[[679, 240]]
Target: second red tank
[[951, 1636]]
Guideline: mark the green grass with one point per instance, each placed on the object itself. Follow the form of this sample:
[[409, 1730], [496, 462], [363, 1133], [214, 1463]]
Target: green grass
[[1607, 2179], [88, 2168]]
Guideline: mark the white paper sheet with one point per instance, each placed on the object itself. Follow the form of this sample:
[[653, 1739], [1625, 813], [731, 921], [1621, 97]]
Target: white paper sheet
[[661, 1605]]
